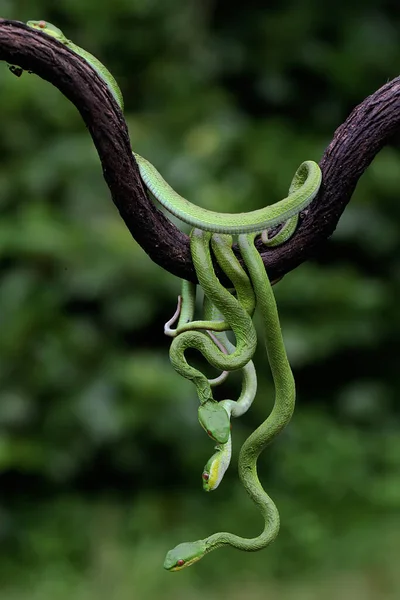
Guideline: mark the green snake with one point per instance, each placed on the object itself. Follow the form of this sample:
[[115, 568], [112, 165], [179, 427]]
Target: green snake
[[304, 188], [184, 314], [238, 320], [305, 184], [212, 415], [217, 465], [188, 553]]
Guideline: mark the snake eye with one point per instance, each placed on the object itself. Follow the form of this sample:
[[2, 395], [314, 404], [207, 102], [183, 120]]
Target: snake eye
[[180, 562], [42, 24], [205, 476]]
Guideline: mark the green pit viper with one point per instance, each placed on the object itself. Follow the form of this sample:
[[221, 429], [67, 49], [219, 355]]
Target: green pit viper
[[304, 188], [188, 553], [217, 465]]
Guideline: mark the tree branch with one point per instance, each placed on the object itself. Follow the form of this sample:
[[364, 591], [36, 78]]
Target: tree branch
[[354, 145]]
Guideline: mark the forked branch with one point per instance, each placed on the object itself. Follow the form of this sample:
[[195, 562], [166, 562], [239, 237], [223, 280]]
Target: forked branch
[[354, 145]]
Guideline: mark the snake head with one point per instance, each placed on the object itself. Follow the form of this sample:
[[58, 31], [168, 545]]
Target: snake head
[[216, 466], [213, 473], [48, 28], [184, 555], [215, 421]]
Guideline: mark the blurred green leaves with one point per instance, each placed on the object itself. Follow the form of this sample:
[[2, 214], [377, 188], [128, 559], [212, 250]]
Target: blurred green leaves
[[100, 449]]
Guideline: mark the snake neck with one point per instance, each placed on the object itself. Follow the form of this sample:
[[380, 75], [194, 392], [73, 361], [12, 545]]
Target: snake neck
[[101, 71], [248, 456], [271, 523]]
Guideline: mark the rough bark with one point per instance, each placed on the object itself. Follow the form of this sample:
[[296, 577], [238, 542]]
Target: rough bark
[[355, 143]]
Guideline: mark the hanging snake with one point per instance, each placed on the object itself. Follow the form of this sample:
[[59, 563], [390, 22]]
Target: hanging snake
[[304, 188]]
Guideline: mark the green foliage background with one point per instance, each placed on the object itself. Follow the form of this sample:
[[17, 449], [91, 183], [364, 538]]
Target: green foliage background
[[100, 449]]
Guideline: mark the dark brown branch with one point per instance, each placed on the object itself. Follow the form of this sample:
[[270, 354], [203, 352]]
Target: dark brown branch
[[354, 145]]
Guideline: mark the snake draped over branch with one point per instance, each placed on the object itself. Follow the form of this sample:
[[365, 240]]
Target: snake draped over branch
[[225, 310]]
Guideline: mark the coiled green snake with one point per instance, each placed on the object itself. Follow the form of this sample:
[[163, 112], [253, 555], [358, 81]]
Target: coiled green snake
[[304, 187], [187, 553], [214, 417], [217, 465]]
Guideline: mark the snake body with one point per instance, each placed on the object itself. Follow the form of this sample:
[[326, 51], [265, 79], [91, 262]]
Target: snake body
[[94, 62], [305, 184], [303, 189], [306, 180], [187, 553], [222, 247], [217, 465], [239, 321], [236, 316], [184, 314]]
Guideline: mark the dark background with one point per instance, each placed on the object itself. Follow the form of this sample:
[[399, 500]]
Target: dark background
[[100, 450]]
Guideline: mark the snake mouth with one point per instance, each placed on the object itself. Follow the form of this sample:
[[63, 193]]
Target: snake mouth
[[184, 563]]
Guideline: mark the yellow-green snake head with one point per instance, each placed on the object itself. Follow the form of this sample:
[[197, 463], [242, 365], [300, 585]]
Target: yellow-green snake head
[[210, 475], [215, 421], [184, 555], [48, 28], [216, 466]]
